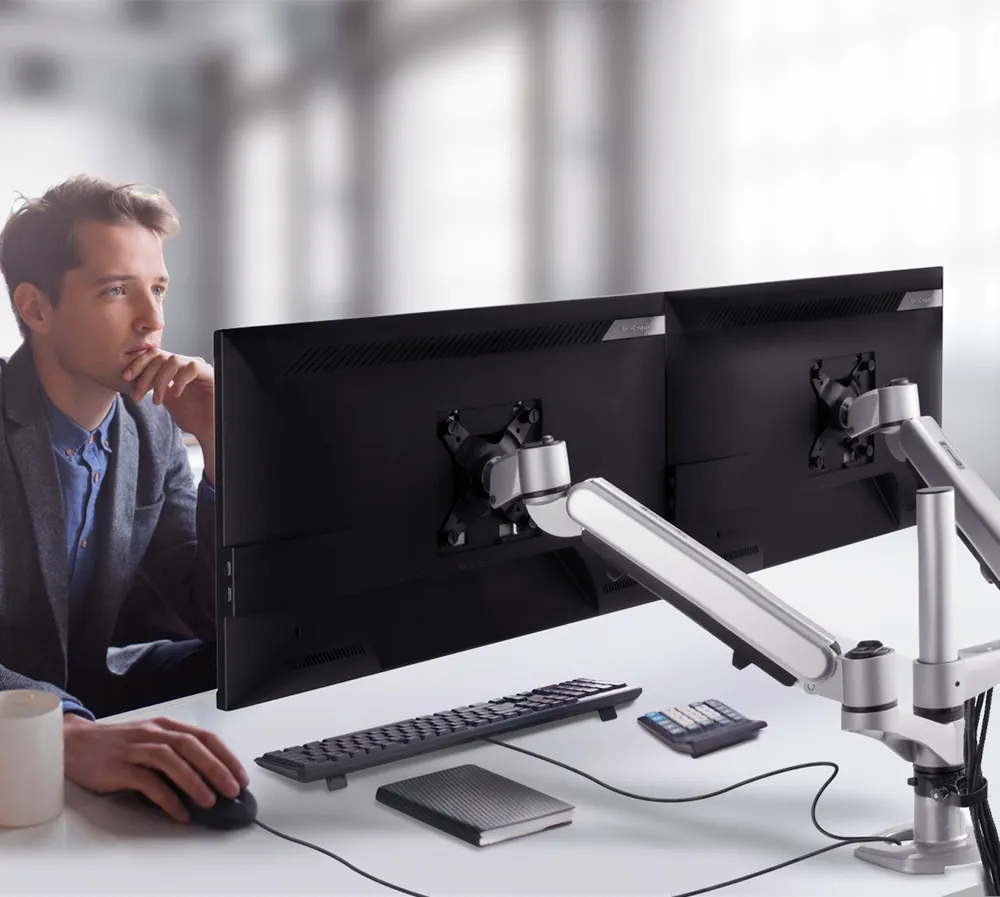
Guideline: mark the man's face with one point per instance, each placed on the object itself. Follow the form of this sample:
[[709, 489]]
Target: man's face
[[111, 305]]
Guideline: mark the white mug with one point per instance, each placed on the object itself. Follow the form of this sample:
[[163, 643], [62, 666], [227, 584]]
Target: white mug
[[31, 757]]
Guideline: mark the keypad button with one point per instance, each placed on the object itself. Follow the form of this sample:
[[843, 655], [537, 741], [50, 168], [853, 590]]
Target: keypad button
[[697, 716], [726, 710], [689, 714], [713, 715], [682, 720]]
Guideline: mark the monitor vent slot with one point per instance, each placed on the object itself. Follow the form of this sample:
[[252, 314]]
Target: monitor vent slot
[[318, 657], [525, 339], [738, 554], [618, 585], [706, 314]]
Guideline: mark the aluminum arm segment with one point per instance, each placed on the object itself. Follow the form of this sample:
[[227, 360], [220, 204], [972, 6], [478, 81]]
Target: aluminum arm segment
[[739, 611], [895, 411], [755, 623]]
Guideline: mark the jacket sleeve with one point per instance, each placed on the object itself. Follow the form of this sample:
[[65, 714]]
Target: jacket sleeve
[[10, 680], [179, 565]]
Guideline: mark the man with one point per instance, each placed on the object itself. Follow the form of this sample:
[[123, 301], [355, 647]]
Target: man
[[102, 529]]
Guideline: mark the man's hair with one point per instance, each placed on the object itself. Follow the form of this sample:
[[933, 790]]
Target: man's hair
[[38, 242]]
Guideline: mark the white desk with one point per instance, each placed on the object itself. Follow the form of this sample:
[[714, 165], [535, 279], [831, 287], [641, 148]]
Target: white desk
[[108, 845]]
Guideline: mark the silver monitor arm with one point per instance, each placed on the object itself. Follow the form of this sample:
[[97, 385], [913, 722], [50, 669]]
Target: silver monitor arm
[[894, 410], [675, 567]]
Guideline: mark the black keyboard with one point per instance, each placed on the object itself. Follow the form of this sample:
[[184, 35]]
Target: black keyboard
[[333, 758]]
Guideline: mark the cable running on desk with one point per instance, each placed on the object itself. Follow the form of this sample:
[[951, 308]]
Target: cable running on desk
[[707, 795], [840, 839], [339, 859]]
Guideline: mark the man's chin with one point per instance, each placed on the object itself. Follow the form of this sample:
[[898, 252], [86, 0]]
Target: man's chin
[[116, 383]]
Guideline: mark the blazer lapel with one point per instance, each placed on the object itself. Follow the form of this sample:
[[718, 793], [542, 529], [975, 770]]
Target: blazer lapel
[[31, 448], [114, 568]]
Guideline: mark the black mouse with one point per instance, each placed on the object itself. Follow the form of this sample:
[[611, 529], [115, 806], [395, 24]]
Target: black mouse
[[226, 813]]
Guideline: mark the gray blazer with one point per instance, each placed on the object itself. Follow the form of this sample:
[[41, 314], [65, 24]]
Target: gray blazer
[[155, 575]]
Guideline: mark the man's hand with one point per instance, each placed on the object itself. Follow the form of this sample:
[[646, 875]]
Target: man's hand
[[186, 388], [122, 756]]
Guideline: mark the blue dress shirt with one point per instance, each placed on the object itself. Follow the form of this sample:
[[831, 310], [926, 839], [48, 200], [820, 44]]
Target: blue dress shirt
[[82, 460]]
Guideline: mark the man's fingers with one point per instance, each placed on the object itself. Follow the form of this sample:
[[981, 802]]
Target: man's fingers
[[161, 381], [186, 375], [214, 744], [202, 759], [140, 364], [164, 372], [140, 779], [144, 381], [162, 756]]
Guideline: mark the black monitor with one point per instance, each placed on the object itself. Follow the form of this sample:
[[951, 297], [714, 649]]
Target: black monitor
[[758, 470], [353, 532]]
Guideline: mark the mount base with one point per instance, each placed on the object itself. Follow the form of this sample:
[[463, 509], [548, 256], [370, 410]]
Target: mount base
[[916, 858]]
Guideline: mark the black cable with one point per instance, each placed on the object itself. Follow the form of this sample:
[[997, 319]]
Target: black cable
[[972, 712], [984, 828], [989, 852], [715, 887], [728, 788], [334, 856], [840, 839], [760, 872]]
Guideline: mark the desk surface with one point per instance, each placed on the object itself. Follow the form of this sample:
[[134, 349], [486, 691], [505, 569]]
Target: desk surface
[[109, 845]]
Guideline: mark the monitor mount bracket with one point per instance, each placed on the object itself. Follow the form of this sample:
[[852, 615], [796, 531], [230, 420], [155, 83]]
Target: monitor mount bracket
[[834, 395], [682, 571], [492, 488]]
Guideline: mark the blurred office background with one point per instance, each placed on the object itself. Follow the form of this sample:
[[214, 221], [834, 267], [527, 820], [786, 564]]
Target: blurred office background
[[370, 157]]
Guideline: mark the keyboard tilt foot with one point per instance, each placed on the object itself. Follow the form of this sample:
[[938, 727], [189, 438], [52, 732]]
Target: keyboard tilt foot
[[335, 783], [607, 713]]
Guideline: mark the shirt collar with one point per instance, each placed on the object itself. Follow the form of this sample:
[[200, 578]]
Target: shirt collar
[[67, 434]]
